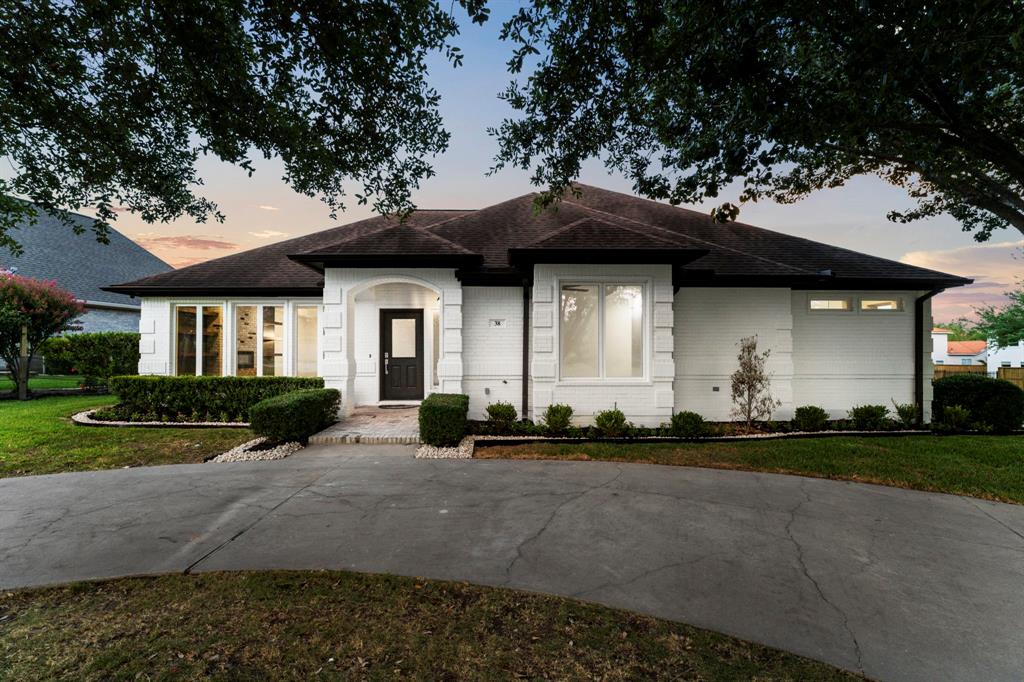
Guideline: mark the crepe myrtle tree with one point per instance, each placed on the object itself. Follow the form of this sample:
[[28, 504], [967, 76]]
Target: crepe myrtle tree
[[751, 385], [109, 105], [33, 310], [684, 98]]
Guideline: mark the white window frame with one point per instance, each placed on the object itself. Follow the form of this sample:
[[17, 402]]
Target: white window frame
[[851, 304], [883, 297], [229, 332], [199, 336], [601, 283]]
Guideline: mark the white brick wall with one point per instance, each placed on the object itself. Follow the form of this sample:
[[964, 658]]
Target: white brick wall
[[492, 355], [646, 402], [709, 324], [843, 359]]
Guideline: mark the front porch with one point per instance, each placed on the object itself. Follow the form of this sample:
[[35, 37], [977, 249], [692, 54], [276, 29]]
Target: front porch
[[396, 424]]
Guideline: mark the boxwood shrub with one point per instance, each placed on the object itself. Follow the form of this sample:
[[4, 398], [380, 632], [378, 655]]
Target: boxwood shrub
[[869, 417], [688, 425], [443, 419], [611, 423], [557, 419], [810, 418], [295, 416], [189, 398], [501, 416], [991, 402]]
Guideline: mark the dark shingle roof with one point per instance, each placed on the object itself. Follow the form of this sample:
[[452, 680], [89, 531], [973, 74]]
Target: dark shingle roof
[[583, 222], [78, 262]]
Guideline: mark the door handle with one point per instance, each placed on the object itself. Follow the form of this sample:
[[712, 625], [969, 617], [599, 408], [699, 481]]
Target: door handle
[[386, 361]]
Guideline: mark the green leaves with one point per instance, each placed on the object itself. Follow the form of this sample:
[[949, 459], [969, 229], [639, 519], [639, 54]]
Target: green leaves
[[111, 107], [686, 98]]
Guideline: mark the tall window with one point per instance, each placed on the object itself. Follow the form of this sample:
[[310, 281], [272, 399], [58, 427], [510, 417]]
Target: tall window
[[273, 340], [200, 342], [601, 331], [305, 340]]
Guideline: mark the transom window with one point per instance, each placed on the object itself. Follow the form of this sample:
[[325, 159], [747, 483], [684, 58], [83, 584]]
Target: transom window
[[872, 304], [830, 304], [601, 331]]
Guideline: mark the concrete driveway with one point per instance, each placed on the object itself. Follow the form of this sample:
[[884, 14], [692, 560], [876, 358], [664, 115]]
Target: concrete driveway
[[897, 584]]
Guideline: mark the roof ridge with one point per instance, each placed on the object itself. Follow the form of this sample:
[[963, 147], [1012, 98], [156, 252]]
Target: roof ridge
[[575, 223], [690, 237], [478, 210]]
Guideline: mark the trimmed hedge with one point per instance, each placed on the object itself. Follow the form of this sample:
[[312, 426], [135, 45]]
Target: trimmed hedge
[[95, 356], [443, 419], [501, 415], [611, 423], [869, 417], [688, 425], [295, 416], [190, 398], [992, 403], [557, 419]]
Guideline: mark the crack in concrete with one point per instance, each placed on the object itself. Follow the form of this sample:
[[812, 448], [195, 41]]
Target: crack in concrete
[[204, 557], [1013, 530], [817, 586], [551, 517]]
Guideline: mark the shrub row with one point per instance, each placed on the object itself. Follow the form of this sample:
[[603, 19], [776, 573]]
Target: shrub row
[[443, 419], [295, 416], [962, 402], [189, 398], [95, 356]]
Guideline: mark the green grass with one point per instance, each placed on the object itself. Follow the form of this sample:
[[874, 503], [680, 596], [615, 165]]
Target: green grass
[[339, 625], [43, 381], [38, 437], [990, 467]]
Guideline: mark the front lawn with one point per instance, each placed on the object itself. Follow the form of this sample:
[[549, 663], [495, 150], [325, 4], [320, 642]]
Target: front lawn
[[991, 467], [338, 625], [38, 437], [42, 381]]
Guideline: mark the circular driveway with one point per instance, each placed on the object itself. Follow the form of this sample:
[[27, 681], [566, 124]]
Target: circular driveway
[[897, 584]]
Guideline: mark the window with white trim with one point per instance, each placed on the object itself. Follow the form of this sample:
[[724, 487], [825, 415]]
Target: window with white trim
[[601, 331], [882, 304], [833, 304], [199, 339]]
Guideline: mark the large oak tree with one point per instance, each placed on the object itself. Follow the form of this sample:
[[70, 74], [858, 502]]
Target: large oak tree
[[686, 96], [110, 103]]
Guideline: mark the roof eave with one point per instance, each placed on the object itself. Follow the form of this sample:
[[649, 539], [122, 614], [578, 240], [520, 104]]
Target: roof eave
[[164, 290]]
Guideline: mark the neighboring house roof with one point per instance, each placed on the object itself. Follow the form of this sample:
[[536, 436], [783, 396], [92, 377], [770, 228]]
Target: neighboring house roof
[[966, 347], [78, 262], [495, 244], [940, 330]]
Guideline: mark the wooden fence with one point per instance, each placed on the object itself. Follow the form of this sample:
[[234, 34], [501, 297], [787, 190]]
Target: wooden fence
[[947, 370], [1015, 375]]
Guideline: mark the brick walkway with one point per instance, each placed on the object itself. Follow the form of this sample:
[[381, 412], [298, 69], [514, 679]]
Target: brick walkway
[[372, 424]]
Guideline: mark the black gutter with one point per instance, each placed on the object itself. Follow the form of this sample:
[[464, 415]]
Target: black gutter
[[527, 296], [919, 350]]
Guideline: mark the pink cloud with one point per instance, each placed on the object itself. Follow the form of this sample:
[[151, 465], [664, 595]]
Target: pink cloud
[[995, 268], [186, 241]]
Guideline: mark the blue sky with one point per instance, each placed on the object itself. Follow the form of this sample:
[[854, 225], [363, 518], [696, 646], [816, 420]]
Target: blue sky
[[263, 209]]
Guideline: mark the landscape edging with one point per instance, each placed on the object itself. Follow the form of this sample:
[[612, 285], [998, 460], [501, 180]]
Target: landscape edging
[[85, 419], [490, 440]]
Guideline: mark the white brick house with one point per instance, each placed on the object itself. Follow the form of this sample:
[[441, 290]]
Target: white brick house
[[607, 300]]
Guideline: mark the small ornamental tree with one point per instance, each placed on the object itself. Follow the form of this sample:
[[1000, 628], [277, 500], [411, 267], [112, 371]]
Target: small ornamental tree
[[40, 306], [751, 385]]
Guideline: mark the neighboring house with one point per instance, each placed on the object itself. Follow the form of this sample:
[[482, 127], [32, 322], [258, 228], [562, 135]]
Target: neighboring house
[[605, 300], [946, 352], [84, 266], [1010, 356]]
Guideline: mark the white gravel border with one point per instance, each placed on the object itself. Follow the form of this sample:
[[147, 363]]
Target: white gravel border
[[85, 419], [464, 450], [244, 453]]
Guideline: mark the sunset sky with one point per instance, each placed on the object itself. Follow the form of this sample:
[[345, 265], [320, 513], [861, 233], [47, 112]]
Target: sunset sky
[[263, 209]]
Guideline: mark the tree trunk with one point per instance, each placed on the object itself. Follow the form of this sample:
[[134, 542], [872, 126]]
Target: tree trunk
[[23, 365]]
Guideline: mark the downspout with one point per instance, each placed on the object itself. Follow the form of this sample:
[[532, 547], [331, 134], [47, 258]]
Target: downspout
[[919, 350], [526, 350]]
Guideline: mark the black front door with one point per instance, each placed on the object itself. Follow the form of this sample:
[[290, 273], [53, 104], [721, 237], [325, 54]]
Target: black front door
[[401, 354]]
